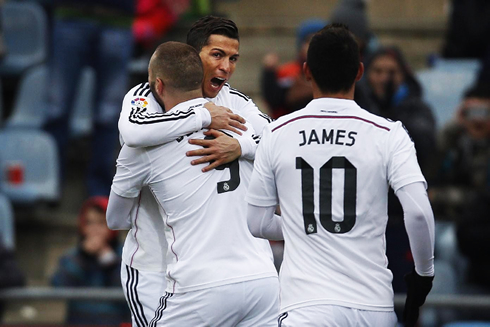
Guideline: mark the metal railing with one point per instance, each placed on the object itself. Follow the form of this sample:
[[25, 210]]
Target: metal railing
[[116, 293]]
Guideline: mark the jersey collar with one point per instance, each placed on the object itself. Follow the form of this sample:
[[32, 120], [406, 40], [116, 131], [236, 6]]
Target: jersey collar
[[332, 104]]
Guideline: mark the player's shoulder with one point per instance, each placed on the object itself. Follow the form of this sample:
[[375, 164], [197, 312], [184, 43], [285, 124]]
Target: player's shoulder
[[377, 120], [139, 90], [233, 93], [286, 119]]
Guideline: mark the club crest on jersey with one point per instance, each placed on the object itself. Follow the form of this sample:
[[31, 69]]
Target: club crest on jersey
[[337, 228], [139, 102], [226, 187]]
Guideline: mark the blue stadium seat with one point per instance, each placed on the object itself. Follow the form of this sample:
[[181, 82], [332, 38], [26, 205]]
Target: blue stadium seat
[[25, 29], [30, 167], [81, 118], [444, 85], [7, 229], [29, 106], [28, 110]]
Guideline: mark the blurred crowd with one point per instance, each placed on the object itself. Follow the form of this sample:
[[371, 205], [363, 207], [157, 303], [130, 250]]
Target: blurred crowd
[[108, 34]]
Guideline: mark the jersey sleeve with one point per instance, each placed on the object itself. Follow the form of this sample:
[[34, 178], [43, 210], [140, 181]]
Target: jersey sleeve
[[142, 121], [133, 168], [245, 107], [403, 168], [262, 190]]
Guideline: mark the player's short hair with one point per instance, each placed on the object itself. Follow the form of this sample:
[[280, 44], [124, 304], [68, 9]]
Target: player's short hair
[[203, 28], [333, 58], [178, 65]]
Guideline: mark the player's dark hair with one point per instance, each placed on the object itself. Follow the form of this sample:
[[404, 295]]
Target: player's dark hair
[[333, 57], [202, 29], [178, 65]]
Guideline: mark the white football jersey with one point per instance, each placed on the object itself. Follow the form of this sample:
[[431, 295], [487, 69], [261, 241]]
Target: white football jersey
[[329, 166], [143, 122], [205, 224], [145, 246]]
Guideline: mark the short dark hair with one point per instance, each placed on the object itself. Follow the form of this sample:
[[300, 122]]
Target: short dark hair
[[178, 65], [333, 58], [203, 28]]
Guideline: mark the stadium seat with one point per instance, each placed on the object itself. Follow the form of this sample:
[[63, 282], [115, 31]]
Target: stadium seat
[[444, 85], [7, 230], [29, 106], [25, 29], [28, 110], [30, 167], [81, 118]]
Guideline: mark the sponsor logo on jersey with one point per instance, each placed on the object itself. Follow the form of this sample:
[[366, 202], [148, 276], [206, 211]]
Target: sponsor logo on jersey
[[139, 102]]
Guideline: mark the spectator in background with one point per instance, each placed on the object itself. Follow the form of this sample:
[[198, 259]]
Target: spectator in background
[[393, 92], [463, 192], [94, 262], [96, 33], [352, 13], [284, 87], [468, 34]]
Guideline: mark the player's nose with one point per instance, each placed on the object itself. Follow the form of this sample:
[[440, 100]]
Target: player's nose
[[225, 66]]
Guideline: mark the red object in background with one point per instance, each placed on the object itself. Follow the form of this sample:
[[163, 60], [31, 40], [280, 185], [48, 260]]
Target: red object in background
[[15, 173], [154, 18]]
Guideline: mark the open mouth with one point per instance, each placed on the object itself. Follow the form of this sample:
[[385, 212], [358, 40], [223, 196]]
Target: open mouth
[[216, 82]]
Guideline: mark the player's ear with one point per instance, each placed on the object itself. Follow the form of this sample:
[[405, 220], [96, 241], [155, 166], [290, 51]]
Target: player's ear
[[160, 86], [307, 72], [360, 72]]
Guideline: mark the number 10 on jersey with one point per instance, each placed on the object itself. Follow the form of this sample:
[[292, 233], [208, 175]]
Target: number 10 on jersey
[[349, 195]]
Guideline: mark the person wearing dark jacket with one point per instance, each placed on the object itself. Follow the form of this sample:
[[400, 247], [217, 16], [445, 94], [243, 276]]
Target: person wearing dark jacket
[[94, 262], [391, 90], [95, 33]]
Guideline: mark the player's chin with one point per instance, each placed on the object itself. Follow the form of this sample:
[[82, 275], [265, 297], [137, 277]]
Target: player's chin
[[211, 90]]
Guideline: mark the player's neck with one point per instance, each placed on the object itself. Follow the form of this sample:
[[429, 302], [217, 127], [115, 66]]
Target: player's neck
[[349, 95], [171, 100]]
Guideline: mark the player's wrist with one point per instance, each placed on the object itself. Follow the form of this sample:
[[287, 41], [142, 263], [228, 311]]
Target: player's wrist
[[205, 117], [247, 147]]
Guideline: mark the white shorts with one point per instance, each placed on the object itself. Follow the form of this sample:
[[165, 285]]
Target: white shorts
[[142, 290], [334, 315], [246, 304]]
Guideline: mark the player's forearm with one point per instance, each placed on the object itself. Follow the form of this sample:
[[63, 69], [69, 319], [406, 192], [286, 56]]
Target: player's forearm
[[419, 222], [142, 130], [263, 223], [118, 213], [248, 146]]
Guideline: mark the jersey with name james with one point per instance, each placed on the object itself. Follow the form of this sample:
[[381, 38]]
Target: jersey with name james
[[209, 243], [329, 166]]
